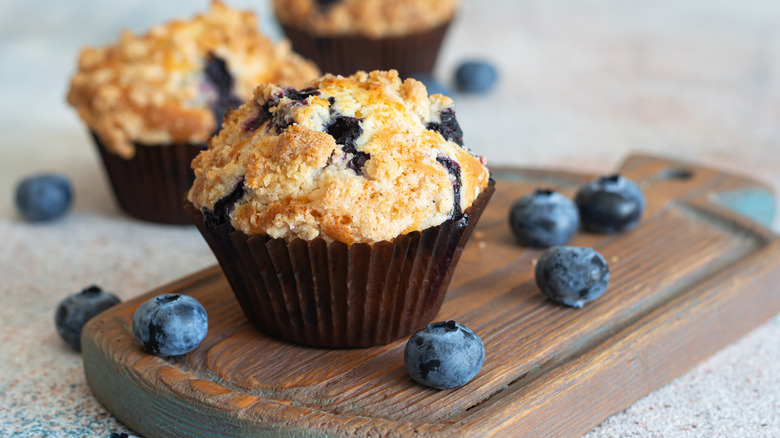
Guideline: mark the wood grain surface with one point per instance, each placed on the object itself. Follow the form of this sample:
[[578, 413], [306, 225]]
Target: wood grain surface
[[696, 274]]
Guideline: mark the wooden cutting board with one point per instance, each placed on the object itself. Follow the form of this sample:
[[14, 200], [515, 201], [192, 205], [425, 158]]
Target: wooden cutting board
[[697, 273]]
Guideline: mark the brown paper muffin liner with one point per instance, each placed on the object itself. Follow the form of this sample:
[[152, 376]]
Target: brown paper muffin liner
[[344, 55], [151, 185], [333, 295]]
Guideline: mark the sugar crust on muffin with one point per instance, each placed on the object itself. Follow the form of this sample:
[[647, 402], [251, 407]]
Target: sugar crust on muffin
[[372, 18], [155, 88], [363, 158]]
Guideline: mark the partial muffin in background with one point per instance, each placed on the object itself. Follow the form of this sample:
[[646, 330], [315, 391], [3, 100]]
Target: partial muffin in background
[[151, 101], [344, 36], [339, 211]]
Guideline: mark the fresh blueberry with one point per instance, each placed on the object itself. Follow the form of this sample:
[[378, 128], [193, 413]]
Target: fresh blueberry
[[122, 435], [75, 310], [572, 275], [43, 197], [444, 355], [434, 86], [170, 324], [475, 76], [610, 204], [544, 218]]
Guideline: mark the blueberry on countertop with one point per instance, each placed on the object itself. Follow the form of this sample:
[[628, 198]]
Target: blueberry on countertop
[[431, 84], [544, 218], [610, 204], [75, 310], [572, 275], [122, 435], [444, 355], [170, 324], [43, 197], [475, 77]]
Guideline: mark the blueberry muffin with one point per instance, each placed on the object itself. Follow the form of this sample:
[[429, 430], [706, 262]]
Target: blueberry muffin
[[151, 101], [343, 36], [338, 211]]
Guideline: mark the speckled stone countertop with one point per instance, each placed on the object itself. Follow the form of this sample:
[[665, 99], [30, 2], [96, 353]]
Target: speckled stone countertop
[[583, 83]]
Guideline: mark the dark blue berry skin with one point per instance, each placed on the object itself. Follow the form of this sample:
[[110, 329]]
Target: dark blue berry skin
[[610, 204], [475, 77], [170, 324], [448, 127], [444, 355], [431, 84], [453, 168], [217, 72], [572, 275], [346, 130], [75, 310], [43, 197], [544, 218], [222, 208]]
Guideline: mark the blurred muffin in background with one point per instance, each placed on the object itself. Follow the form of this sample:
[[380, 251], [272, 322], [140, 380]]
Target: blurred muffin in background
[[344, 36], [151, 101]]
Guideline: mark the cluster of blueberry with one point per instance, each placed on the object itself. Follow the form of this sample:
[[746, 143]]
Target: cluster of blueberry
[[546, 219], [167, 325]]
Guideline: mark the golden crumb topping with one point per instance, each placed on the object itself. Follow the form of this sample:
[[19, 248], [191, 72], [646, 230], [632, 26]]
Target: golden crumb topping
[[172, 84], [363, 158], [372, 18]]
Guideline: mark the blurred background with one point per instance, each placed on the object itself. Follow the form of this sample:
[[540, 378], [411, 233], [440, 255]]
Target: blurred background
[[582, 84]]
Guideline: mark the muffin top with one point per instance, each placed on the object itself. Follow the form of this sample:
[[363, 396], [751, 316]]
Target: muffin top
[[174, 83], [353, 159], [372, 18]]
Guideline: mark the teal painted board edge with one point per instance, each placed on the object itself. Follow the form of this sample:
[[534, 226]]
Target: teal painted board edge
[[755, 203]]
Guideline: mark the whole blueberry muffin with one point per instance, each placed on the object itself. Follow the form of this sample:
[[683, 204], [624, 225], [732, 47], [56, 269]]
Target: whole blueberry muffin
[[151, 101], [338, 211], [343, 36]]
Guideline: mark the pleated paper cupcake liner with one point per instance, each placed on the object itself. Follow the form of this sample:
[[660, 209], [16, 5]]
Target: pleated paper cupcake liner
[[344, 55], [334, 295], [151, 185]]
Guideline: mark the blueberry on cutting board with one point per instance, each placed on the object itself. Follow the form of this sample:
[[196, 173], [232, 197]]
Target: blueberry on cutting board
[[544, 218], [444, 355], [610, 204], [572, 275], [43, 197], [170, 324], [75, 310]]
